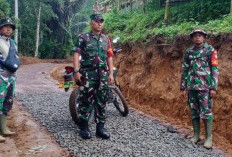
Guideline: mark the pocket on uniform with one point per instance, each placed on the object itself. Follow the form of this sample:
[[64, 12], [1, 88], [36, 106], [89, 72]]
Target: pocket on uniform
[[4, 76], [90, 50], [105, 47]]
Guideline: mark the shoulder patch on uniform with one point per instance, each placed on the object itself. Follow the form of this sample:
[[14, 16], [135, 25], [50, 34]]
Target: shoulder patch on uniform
[[214, 58], [84, 36]]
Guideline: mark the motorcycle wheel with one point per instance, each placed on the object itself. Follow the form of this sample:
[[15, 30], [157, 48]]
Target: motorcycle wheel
[[119, 102], [74, 105]]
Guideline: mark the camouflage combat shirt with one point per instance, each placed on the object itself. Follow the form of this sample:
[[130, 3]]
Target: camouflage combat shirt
[[200, 69], [94, 50]]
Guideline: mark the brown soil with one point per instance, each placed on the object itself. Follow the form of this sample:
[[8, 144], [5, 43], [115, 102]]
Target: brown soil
[[58, 72], [31, 139], [150, 77], [32, 60]]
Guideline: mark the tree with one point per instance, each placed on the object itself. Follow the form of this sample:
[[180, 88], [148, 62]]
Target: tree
[[4, 8], [57, 23], [16, 19], [166, 11], [28, 12], [144, 6], [231, 7], [37, 31], [62, 25], [131, 5]]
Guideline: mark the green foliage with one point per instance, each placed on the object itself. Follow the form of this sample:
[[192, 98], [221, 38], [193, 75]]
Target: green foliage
[[63, 20], [4, 8], [220, 25], [199, 10], [60, 22], [28, 11], [207, 14], [47, 49], [66, 26]]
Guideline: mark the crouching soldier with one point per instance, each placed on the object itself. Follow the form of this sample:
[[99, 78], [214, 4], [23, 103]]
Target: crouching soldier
[[199, 83], [9, 63]]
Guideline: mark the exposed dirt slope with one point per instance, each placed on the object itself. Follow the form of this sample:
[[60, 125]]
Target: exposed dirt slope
[[31, 60], [150, 78]]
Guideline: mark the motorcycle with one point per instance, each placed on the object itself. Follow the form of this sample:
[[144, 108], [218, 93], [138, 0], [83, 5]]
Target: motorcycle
[[115, 95]]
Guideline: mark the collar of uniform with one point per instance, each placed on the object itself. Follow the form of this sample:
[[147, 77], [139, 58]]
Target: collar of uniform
[[95, 36], [205, 45], [4, 37]]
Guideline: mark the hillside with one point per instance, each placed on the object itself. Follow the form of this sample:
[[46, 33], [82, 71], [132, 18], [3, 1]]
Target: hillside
[[211, 15], [150, 78]]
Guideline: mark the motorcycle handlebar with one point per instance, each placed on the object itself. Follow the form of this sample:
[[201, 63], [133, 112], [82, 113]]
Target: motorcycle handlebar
[[117, 50]]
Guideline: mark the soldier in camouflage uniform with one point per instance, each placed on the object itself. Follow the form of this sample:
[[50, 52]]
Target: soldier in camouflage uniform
[[92, 71], [199, 83], [7, 78]]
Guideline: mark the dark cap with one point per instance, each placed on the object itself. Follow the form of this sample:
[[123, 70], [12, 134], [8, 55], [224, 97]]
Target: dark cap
[[198, 31], [97, 17], [7, 21]]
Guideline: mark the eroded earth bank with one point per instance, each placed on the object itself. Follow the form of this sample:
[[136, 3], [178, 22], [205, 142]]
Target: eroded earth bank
[[150, 74]]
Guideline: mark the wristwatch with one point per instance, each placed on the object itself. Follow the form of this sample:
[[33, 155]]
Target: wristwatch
[[76, 71]]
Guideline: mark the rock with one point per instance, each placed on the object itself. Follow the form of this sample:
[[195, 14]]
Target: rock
[[134, 135]]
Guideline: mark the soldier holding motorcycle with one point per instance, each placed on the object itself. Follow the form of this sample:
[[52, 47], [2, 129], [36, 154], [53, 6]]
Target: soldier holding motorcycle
[[93, 74]]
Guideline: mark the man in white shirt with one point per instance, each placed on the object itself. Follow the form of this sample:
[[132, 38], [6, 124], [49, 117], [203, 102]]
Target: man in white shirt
[[7, 77]]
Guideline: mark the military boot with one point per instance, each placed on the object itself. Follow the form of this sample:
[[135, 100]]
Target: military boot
[[101, 131], [84, 130], [208, 132], [196, 129], [3, 128], [2, 139]]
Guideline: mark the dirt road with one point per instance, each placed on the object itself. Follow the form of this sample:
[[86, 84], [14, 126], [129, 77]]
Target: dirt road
[[31, 138], [150, 78], [142, 136]]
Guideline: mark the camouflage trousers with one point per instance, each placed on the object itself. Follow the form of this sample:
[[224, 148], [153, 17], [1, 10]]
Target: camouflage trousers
[[200, 103], [7, 87], [93, 94]]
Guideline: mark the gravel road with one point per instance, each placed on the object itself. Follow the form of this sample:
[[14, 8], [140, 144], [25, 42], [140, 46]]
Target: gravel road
[[135, 135]]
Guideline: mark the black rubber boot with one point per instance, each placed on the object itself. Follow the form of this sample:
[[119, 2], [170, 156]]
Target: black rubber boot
[[84, 130], [101, 131]]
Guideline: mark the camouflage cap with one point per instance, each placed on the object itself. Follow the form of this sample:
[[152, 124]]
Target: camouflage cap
[[97, 17], [7, 21], [198, 31]]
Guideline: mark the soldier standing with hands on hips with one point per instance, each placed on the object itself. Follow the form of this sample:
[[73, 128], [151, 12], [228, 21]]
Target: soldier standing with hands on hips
[[199, 83], [92, 72]]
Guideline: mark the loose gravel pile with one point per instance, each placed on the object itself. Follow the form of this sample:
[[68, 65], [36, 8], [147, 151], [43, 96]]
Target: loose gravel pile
[[134, 135]]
